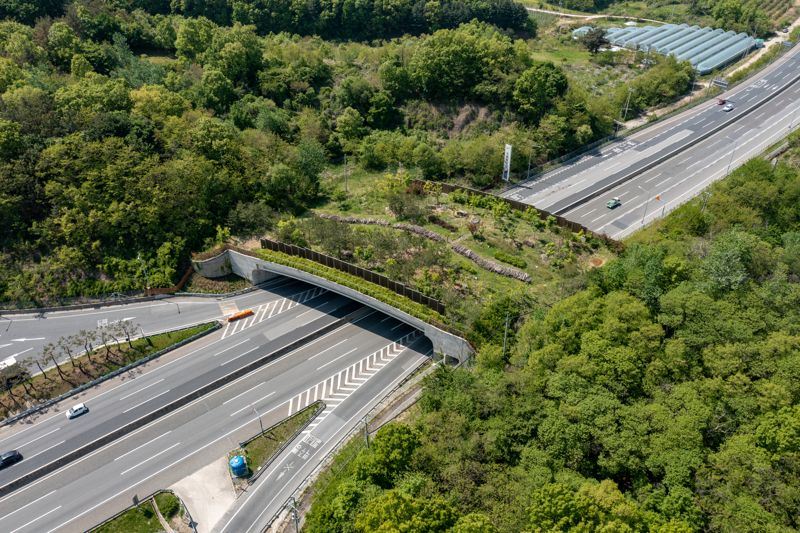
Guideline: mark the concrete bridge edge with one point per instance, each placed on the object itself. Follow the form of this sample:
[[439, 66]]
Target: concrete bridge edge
[[258, 270]]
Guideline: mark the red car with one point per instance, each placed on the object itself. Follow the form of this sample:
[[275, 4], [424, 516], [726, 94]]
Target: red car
[[720, 101]]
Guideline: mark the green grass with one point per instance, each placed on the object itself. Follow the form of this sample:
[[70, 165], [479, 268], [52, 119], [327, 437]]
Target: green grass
[[366, 199], [51, 385], [168, 504], [261, 449], [354, 282], [223, 285], [140, 519]]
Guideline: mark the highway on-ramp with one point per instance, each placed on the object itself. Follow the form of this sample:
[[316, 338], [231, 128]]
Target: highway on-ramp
[[673, 160], [343, 368]]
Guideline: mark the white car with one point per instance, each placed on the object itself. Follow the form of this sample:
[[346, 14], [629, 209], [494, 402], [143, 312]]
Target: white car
[[77, 410], [728, 107]]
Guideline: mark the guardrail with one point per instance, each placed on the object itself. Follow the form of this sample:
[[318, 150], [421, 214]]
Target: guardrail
[[570, 204], [106, 377], [161, 411], [349, 268]]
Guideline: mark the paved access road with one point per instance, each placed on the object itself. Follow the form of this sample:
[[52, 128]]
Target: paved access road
[[581, 189], [24, 335], [253, 512], [350, 361], [47, 438]]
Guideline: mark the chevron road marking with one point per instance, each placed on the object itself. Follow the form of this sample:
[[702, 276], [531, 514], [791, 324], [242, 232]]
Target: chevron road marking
[[337, 388], [273, 308]]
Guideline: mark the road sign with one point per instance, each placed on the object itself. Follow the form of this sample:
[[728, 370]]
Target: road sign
[[507, 163], [719, 82]]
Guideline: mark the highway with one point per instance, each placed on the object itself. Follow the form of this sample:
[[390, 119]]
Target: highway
[[686, 152], [54, 435], [345, 368], [23, 335]]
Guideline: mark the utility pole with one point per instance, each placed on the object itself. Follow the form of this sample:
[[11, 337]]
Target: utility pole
[[260, 423], [705, 200], [530, 156], [730, 161], [366, 431], [295, 517], [646, 202], [627, 101]]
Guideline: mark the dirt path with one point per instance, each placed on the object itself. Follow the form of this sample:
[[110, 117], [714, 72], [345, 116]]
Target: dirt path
[[591, 17]]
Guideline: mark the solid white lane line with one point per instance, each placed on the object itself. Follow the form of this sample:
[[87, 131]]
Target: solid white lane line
[[143, 388], [238, 356], [144, 402], [35, 519], [162, 452], [27, 505], [251, 404], [231, 347], [46, 449], [154, 474], [334, 360], [39, 437], [305, 313], [142, 445], [289, 481], [243, 393], [328, 348]]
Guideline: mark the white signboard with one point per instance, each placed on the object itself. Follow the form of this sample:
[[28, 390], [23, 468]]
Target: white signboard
[[507, 162]]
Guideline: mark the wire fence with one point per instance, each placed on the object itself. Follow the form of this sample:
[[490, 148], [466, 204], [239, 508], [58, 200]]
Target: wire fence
[[349, 268]]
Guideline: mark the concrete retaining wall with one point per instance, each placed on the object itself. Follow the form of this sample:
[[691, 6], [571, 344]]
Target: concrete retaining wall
[[258, 270]]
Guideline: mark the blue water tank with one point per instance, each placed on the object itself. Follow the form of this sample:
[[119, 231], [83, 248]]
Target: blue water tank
[[238, 466]]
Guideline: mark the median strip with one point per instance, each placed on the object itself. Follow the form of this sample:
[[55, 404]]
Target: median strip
[[352, 312], [575, 202]]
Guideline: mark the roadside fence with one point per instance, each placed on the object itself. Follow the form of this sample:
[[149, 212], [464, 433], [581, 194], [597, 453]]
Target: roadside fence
[[349, 268]]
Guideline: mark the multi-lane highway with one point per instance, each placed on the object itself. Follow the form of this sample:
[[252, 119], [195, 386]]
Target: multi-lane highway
[[658, 169], [24, 335], [53, 437], [345, 369]]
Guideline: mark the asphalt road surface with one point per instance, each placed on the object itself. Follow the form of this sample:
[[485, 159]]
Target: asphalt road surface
[[346, 368], [23, 336], [46, 440], [579, 191]]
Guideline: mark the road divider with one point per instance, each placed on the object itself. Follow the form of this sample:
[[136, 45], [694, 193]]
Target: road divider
[[352, 311], [562, 207]]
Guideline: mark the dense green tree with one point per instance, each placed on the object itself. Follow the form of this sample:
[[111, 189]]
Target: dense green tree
[[594, 40], [537, 88], [397, 511]]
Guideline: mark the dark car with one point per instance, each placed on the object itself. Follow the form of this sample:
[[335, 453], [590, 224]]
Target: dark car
[[9, 458]]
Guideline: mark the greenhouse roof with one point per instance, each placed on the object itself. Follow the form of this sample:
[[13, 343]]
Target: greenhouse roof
[[706, 49]]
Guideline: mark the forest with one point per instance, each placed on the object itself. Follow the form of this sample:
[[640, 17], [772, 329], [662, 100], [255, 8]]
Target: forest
[[662, 396], [133, 133]]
